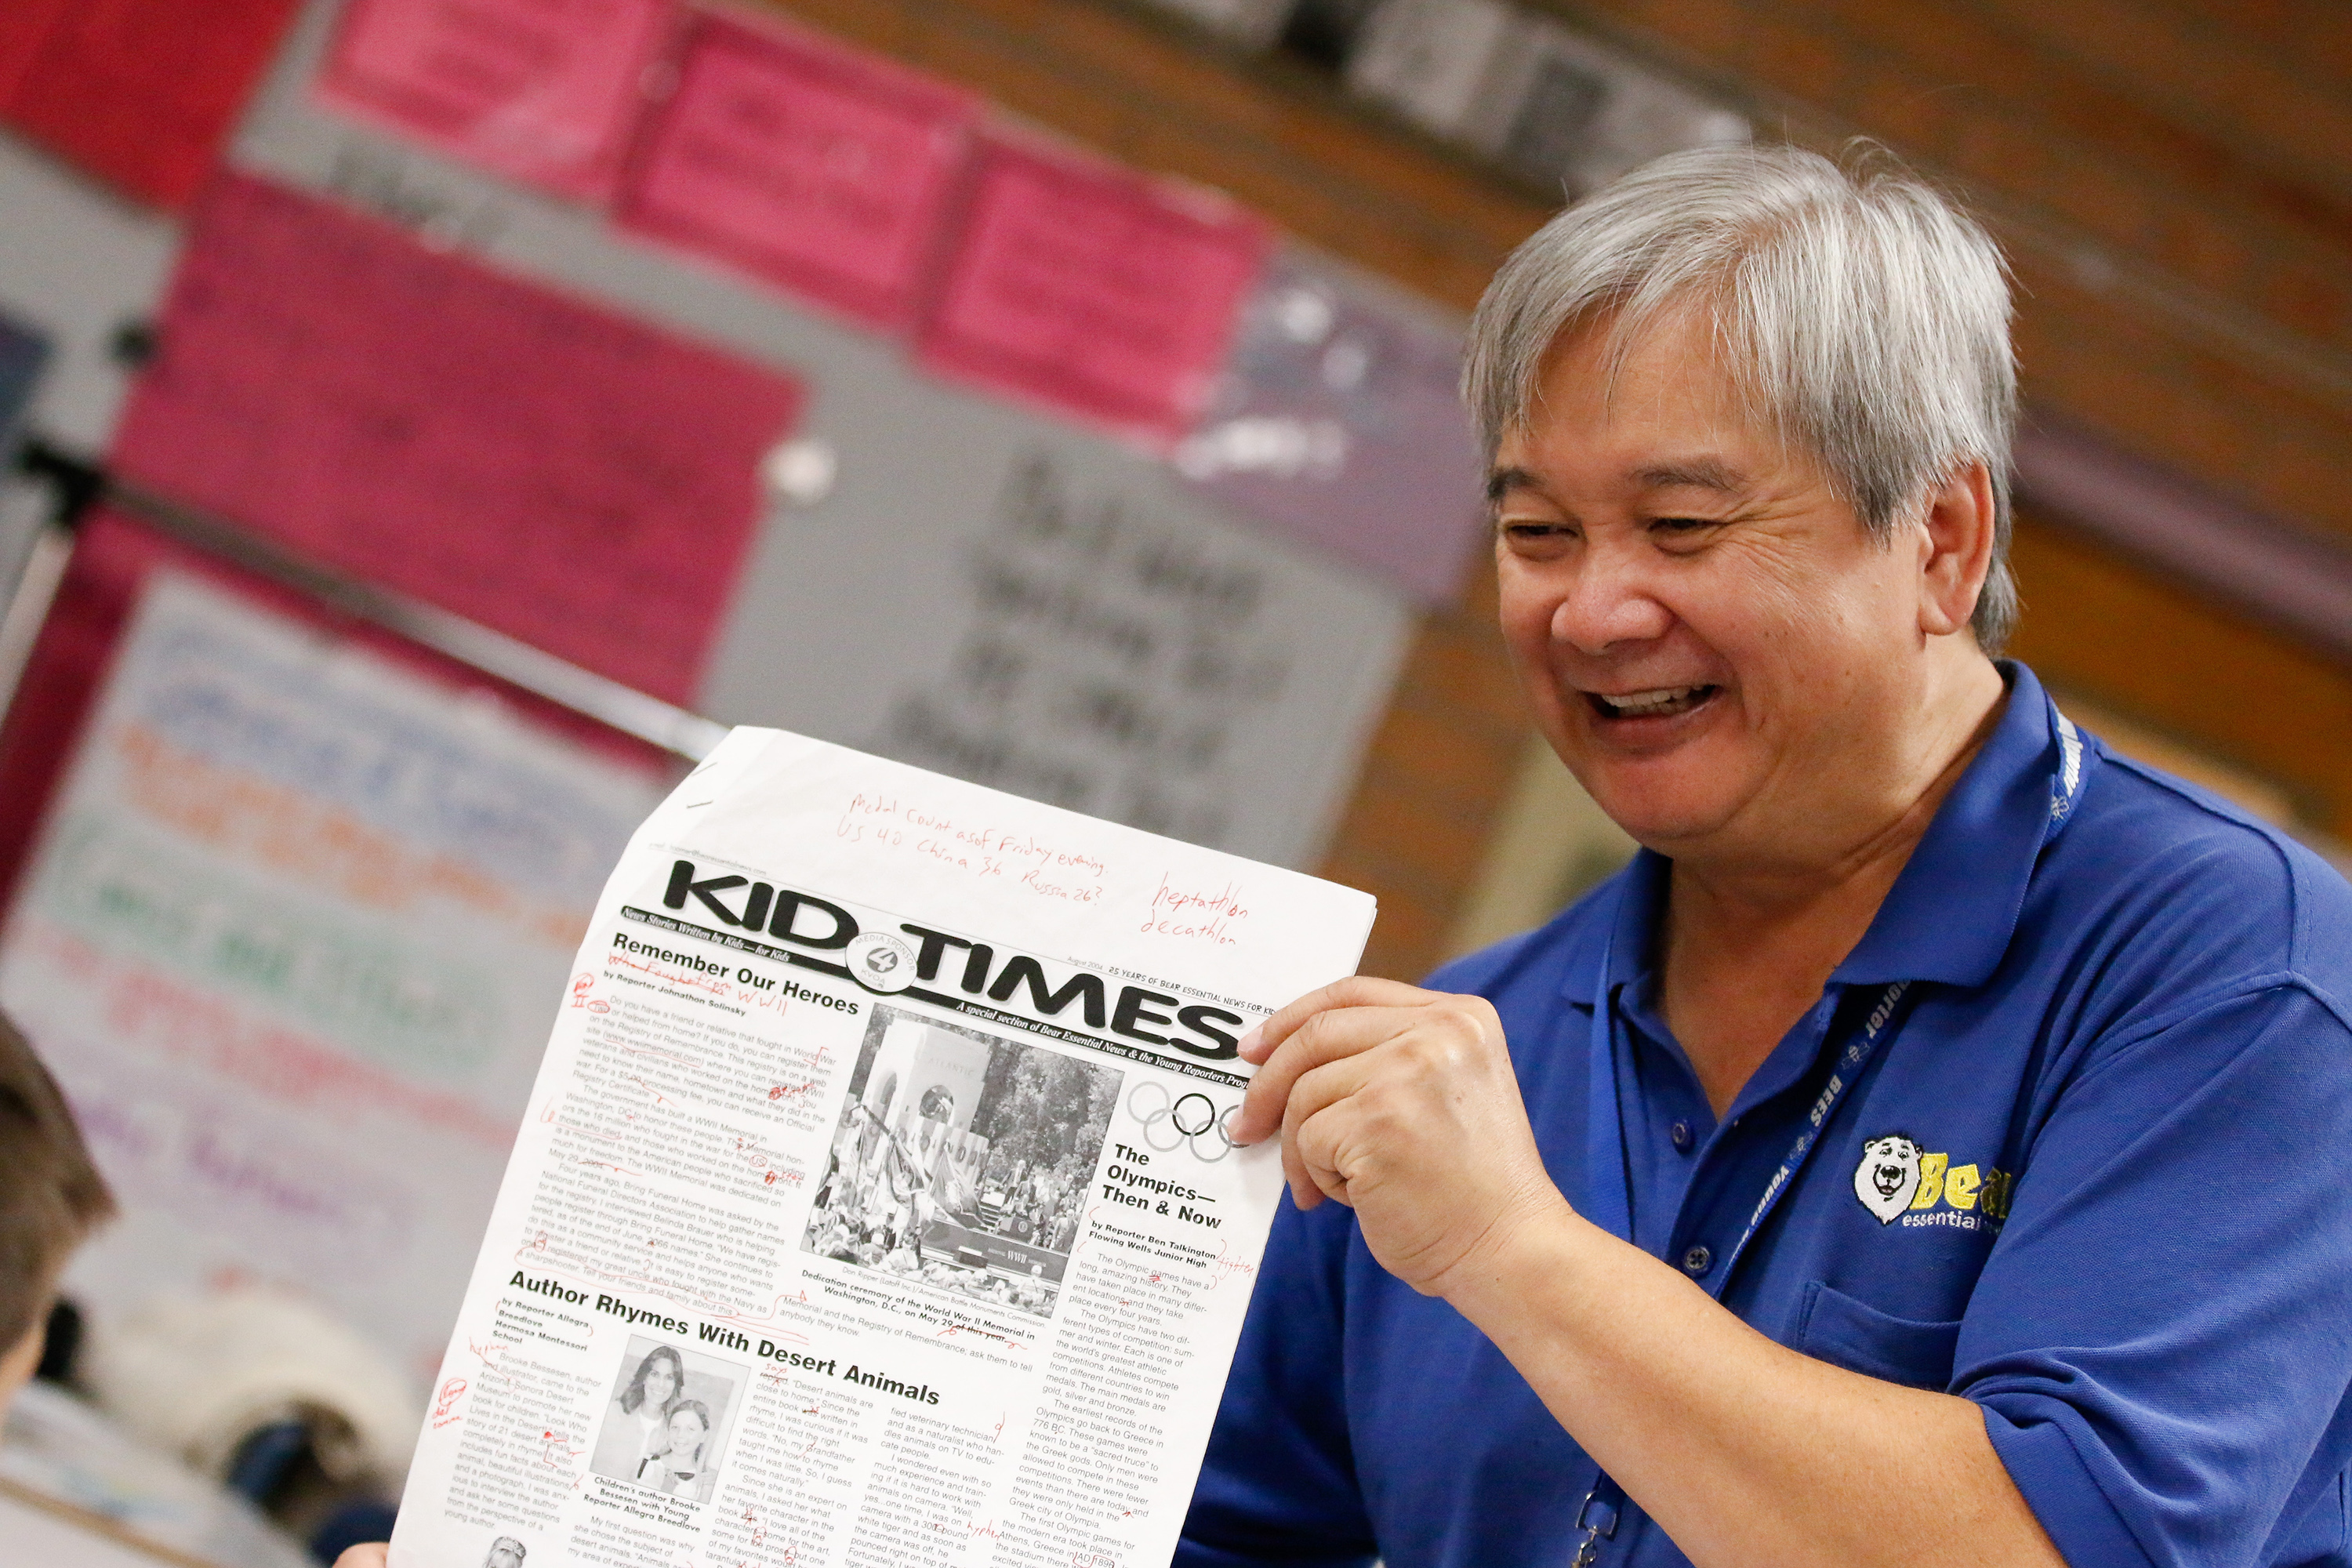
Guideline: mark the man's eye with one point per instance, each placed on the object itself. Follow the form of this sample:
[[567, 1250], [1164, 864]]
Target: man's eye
[[1531, 529], [1682, 524]]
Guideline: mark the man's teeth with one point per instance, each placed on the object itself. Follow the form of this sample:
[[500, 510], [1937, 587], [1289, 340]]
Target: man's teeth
[[1649, 704]]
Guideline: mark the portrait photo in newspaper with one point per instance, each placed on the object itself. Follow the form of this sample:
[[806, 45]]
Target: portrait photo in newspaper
[[961, 1159], [664, 1426], [507, 1552]]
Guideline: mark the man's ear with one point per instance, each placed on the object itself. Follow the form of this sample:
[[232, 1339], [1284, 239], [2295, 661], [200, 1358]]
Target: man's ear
[[1959, 524]]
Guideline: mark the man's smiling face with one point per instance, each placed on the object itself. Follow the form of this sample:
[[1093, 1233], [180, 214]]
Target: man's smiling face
[[1707, 635]]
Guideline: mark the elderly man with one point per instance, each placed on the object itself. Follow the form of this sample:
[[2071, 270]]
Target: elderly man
[[1927, 1151]]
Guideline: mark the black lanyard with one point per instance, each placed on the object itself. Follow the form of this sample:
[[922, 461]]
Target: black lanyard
[[1609, 1201], [1609, 1197]]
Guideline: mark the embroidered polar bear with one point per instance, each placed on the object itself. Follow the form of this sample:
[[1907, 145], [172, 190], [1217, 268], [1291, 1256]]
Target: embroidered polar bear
[[1888, 1177]]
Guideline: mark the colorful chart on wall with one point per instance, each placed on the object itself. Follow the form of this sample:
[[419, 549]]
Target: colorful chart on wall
[[823, 169], [565, 474], [290, 938], [545, 90]]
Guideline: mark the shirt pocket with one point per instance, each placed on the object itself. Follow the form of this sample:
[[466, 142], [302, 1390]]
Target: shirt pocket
[[1836, 1328]]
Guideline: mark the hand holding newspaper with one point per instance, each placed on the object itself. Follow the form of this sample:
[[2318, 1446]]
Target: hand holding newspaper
[[875, 1203]]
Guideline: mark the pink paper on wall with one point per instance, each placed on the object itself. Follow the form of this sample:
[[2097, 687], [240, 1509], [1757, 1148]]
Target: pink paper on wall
[[30, 22], [141, 93], [814, 166], [1096, 290], [559, 473], [547, 91]]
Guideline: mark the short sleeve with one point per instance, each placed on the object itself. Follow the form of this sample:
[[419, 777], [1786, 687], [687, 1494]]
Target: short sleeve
[[1280, 1485], [2161, 1340]]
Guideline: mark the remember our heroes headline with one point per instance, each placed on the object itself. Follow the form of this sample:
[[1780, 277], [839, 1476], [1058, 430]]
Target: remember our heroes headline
[[717, 1336]]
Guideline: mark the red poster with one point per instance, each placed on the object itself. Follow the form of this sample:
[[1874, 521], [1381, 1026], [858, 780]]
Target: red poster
[[30, 23], [1096, 290], [804, 163], [559, 473], [142, 93], [544, 90]]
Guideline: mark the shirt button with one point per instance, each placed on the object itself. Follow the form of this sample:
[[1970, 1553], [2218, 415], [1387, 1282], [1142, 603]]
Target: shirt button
[[1682, 1135], [1697, 1261]]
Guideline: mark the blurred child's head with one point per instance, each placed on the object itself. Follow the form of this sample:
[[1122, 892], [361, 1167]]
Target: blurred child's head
[[51, 1197]]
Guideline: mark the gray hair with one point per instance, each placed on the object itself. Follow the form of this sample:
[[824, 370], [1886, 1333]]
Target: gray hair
[[1864, 315]]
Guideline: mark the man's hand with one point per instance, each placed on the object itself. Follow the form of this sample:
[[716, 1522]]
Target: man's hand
[[1401, 1104], [368, 1556]]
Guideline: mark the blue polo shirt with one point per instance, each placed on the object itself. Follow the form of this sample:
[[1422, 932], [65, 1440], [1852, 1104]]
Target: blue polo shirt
[[2097, 1179]]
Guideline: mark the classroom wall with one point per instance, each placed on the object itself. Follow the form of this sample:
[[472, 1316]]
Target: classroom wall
[[2173, 179]]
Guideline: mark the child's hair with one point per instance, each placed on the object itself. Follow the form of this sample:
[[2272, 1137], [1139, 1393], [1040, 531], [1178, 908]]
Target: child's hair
[[51, 1196], [701, 1412]]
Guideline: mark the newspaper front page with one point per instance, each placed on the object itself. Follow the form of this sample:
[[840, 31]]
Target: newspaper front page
[[875, 1203]]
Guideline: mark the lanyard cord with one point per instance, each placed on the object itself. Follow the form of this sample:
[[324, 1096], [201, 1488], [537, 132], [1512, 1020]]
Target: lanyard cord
[[1610, 1196], [1610, 1200], [1609, 1203]]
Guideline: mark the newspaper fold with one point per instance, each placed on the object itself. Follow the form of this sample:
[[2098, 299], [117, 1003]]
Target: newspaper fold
[[876, 1204]]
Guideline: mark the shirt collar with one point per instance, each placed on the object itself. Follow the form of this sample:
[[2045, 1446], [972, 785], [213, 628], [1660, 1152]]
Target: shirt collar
[[1633, 918], [1952, 912]]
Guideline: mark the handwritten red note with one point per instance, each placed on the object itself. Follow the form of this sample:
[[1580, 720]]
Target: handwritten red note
[[1096, 290], [802, 162], [1205, 914], [544, 90], [565, 475], [888, 825], [141, 93]]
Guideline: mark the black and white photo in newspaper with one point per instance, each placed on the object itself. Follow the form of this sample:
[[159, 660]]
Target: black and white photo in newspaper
[[875, 1203]]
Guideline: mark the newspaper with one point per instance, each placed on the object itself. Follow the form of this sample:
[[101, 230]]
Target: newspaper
[[875, 1203]]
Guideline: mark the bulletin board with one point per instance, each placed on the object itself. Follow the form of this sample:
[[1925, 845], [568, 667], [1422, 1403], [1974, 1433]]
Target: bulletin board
[[1100, 491], [890, 615]]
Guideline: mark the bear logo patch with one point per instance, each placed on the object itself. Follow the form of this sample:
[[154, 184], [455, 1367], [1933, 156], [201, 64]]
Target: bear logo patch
[[1888, 1177]]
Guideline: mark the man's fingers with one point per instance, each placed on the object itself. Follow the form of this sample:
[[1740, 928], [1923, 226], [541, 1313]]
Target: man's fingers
[[1356, 991], [1304, 1191], [368, 1556], [1308, 1151], [1320, 1037]]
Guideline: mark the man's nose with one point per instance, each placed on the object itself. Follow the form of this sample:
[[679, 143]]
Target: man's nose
[[1607, 600]]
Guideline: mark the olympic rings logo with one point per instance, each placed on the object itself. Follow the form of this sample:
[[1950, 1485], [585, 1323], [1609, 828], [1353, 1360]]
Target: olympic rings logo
[[1190, 1119]]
